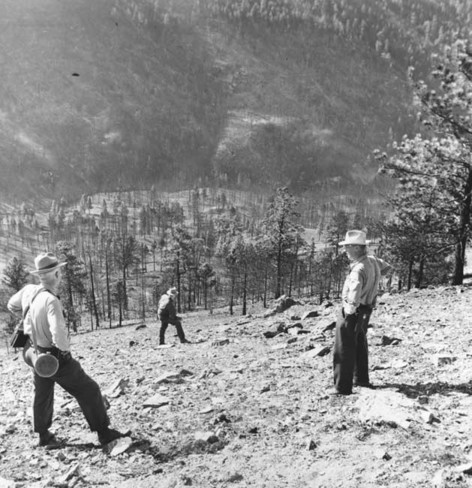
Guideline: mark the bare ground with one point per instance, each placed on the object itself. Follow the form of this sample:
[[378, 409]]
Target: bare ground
[[237, 408]]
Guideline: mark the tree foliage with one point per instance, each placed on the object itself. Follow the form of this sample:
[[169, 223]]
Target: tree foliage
[[433, 170], [15, 273], [283, 232]]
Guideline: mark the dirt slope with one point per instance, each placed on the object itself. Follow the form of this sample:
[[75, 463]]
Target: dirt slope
[[241, 408]]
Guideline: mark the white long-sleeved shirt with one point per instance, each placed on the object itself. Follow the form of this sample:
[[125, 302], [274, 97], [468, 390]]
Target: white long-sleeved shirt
[[45, 315], [362, 283]]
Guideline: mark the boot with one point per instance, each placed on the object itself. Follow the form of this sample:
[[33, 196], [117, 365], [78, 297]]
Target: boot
[[49, 441], [107, 435]]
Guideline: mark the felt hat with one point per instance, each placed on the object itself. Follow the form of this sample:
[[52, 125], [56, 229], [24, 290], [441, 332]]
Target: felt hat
[[355, 237], [46, 262]]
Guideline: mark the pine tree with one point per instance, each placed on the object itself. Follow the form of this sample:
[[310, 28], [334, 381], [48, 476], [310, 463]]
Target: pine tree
[[15, 274], [283, 231], [72, 286]]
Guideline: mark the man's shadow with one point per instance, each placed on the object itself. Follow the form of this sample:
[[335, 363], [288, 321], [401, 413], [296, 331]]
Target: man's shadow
[[428, 389]]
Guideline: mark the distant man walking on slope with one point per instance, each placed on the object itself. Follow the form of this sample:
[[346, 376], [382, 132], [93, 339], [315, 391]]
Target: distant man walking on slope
[[45, 325], [350, 359], [167, 315]]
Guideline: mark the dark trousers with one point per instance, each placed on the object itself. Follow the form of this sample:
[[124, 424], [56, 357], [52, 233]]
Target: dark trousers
[[77, 383], [351, 354], [178, 325]]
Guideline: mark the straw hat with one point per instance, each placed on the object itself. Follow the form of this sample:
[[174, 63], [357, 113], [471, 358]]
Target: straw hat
[[355, 237]]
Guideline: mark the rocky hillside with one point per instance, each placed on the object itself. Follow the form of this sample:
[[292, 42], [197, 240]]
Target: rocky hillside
[[248, 403], [97, 96]]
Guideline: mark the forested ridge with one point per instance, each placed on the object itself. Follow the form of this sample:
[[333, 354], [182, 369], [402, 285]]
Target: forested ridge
[[239, 94]]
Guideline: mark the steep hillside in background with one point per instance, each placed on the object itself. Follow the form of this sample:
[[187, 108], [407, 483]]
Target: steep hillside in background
[[101, 95]]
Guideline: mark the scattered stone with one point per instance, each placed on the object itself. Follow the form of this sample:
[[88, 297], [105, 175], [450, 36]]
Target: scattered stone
[[429, 417], [118, 446], [284, 303], [220, 342], [206, 410], [464, 468], [235, 478], [243, 322], [311, 445], [185, 372], [281, 329], [309, 314], [222, 418], [169, 378], [156, 401], [117, 388], [187, 481], [389, 341], [443, 360], [208, 437], [330, 326], [73, 471], [315, 352]]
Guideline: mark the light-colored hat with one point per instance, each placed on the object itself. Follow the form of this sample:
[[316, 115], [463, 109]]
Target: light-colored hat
[[355, 237], [172, 291], [46, 262]]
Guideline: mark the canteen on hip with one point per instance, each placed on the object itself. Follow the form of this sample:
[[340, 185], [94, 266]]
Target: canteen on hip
[[45, 364]]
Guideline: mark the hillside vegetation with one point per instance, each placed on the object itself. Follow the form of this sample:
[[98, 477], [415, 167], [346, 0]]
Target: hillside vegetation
[[126, 94]]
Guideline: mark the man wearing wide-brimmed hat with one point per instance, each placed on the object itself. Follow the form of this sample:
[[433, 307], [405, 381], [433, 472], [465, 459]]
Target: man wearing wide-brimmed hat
[[167, 314], [350, 358], [45, 325]]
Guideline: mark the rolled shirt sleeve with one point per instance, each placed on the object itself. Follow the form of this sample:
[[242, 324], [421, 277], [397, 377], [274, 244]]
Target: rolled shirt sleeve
[[14, 304]]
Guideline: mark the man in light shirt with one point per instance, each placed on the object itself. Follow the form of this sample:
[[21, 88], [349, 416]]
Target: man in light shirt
[[45, 319], [350, 359]]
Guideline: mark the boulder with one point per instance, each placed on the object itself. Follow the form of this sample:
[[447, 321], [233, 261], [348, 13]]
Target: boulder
[[284, 303]]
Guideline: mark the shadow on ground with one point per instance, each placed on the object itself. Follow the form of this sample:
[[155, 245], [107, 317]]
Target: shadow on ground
[[428, 389]]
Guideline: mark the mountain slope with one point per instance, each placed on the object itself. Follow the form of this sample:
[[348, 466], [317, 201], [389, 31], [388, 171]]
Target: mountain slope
[[119, 93]]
